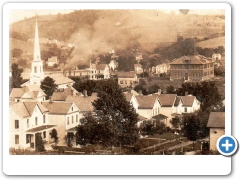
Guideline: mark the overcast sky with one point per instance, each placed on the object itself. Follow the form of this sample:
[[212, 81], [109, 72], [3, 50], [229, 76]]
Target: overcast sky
[[18, 15]]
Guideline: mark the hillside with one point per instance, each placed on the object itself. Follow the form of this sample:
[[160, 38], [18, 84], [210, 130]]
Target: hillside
[[116, 28], [25, 46], [212, 43]]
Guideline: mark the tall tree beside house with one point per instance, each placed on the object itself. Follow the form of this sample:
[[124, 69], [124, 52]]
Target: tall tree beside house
[[39, 143], [48, 86], [191, 127], [176, 122], [54, 135], [116, 114], [16, 79]]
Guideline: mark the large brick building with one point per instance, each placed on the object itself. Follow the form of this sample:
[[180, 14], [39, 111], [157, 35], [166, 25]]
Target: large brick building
[[191, 68]]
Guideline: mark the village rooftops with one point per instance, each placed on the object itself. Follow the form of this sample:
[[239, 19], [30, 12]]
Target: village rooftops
[[146, 102], [187, 100], [216, 120], [25, 109], [101, 66], [83, 103], [58, 107], [167, 100], [60, 79], [130, 74], [61, 96], [192, 59]]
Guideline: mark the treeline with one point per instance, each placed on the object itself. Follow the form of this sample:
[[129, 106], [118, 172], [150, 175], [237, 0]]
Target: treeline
[[18, 35], [184, 47]]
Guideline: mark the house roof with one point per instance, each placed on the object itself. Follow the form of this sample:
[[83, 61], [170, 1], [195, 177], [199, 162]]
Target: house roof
[[191, 59], [216, 119], [53, 59], [160, 117], [60, 79], [128, 96], [83, 103], [167, 100], [130, 74], [17, 92], [101, 66], [25, 109], [40, 128], [59, 96], [57, 107], [187, 100], [177, 101], [146, 102]]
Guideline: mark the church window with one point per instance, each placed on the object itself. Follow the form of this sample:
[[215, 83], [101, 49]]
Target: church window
[[35, 69]]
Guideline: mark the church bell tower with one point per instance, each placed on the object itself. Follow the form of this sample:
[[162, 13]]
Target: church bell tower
[[37, 74]]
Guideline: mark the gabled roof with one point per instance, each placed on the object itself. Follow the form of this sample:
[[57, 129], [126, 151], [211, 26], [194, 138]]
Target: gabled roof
[[167, 100], [191, 59], [217, 120], [187, 100], [53, 59], [128, 96], [137, 65], [83, 103], [25, 109], [59, 96], [101, 66], [177, 101], [130, 74], [56, 107], [146, 102], [60, 79], [17, 92]]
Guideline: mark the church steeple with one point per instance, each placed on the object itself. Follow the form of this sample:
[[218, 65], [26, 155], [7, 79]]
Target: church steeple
[[36, 55], [37, 74]]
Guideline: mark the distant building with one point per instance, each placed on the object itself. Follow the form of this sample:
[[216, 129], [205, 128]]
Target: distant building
[[138, 68], [113, 64], [191, 68], [99, 71], [62, 95], [126, 79], [216, 124], [216, 57], [161, 68], [52, 61]]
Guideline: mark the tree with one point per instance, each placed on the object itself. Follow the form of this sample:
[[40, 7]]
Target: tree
[[54, 135], [16, 79], [69, 138], [39, 143], [153, 89], [170, 90], [175, 122], [115, 113], [191, 127], [15, 53], [48, 86]]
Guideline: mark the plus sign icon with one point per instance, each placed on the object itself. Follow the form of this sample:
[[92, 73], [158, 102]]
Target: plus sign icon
[[227, 145]]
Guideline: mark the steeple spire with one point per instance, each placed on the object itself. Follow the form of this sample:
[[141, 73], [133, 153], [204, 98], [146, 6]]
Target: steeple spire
[[37, 55]]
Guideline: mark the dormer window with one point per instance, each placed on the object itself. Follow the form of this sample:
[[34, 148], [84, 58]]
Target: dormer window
[[187, 60]]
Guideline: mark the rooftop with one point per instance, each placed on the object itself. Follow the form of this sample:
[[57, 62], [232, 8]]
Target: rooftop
[[192, 59], [60, 79], [130, 74], [57, 107], [146, 102], [167, 100], [216, 119]]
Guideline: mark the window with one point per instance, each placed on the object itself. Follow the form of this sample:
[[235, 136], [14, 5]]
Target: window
[[44, 118], [16, 124], [28, 138], [67, 120], [35, 69], [72, 108], [27, 123], [72, 119], [77, 118], [185, 109], [121, 82], [40, 68], [44, 134], [36, 121], [16, 139]]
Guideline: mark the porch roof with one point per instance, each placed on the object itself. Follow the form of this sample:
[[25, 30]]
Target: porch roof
[[40, 128], [74, 129], [159, 117]]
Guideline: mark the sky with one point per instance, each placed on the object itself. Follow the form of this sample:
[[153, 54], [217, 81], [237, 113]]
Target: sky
[[18, 15]]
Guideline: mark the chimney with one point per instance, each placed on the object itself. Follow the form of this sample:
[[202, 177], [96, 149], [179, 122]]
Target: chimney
[[85, 93], [159, 91], [186, 93]]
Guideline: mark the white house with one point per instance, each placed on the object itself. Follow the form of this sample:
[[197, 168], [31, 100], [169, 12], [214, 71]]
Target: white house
[[138, 68], [216, 57], [61, 81], [132, 100], [113, 64], [99, 71], [26, 120], [216, 123], [161, 68], [190, 104], [65, 115], [127, 78]]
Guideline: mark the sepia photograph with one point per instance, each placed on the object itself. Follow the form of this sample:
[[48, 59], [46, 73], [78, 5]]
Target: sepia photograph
[[116, 81]]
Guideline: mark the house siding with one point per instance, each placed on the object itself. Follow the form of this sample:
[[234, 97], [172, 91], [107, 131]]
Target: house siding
[[214, 137]]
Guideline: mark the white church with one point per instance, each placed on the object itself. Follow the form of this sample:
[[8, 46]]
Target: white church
[[37, 72]]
